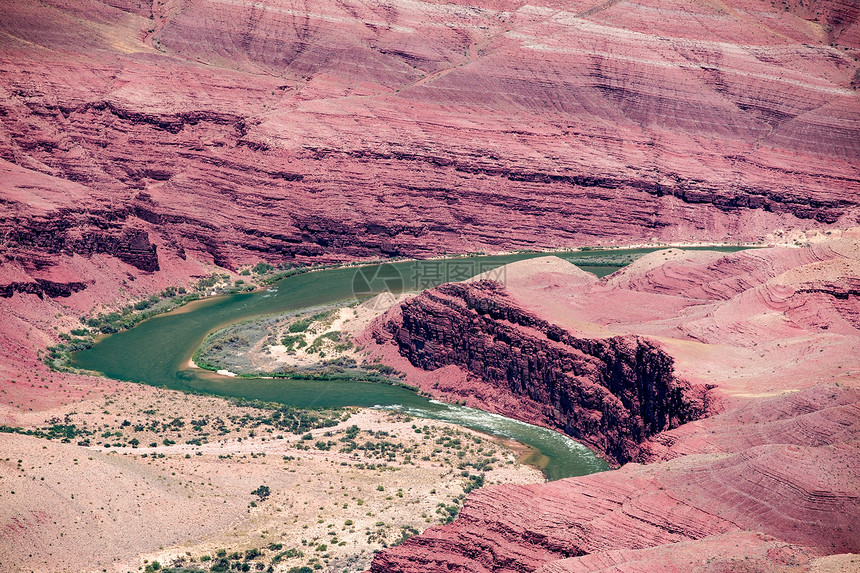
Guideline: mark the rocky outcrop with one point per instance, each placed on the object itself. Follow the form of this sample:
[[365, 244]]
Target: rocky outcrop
[[768, 480], [70, 232], [42, 288], [233, 133], [612, 393]]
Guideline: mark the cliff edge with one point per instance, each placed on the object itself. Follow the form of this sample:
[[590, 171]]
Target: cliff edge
[[731, 379]]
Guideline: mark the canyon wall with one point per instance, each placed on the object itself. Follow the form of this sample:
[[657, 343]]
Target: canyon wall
[[612, 394], [764, 343], [230, 132]]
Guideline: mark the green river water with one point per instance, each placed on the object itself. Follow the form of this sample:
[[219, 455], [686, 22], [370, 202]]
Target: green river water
[[157, 351]]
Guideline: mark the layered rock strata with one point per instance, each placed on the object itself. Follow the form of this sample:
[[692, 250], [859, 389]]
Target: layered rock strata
[[611, 393], [768, 479], [230, 132]]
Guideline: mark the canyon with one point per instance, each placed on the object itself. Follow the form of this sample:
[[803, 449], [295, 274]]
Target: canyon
[[141, 143], [149, 144], [344, 131], [738, 406]]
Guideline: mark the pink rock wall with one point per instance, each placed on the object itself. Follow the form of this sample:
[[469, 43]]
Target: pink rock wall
[[767, 480], [232, 132], [612, 394]]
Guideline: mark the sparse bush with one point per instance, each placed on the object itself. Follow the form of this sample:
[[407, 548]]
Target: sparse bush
[[262, 492], [300, 325], [291, 341], [253, 553]]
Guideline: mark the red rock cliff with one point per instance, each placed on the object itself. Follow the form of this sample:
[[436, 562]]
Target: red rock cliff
[[611, 393], [230, 132], [770, 482]]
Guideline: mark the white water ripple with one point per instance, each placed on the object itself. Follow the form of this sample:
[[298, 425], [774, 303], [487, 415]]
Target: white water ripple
[[567, 456]]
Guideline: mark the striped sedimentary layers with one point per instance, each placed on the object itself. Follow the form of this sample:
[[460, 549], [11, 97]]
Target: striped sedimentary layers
[[745, 437], [231, 131], [611, 393]]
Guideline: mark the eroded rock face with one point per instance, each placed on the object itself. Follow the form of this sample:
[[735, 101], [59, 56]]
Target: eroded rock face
[[611, 393], [230, 132], [63, 233], [605, 520], [42, 288], [769, 479]]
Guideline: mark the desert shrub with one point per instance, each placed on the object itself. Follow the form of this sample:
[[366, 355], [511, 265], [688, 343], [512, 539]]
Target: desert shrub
[[475, 481], [291, 341], [288, 554], [262, 492], [300, 325]]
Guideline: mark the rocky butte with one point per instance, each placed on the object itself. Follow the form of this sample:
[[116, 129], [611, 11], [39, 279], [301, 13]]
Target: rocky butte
[[143, 144]]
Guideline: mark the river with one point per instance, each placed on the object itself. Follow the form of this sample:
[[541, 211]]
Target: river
[[157, 351]]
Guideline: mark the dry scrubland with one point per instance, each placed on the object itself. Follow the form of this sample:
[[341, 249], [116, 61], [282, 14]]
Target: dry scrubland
[[141, 475]]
